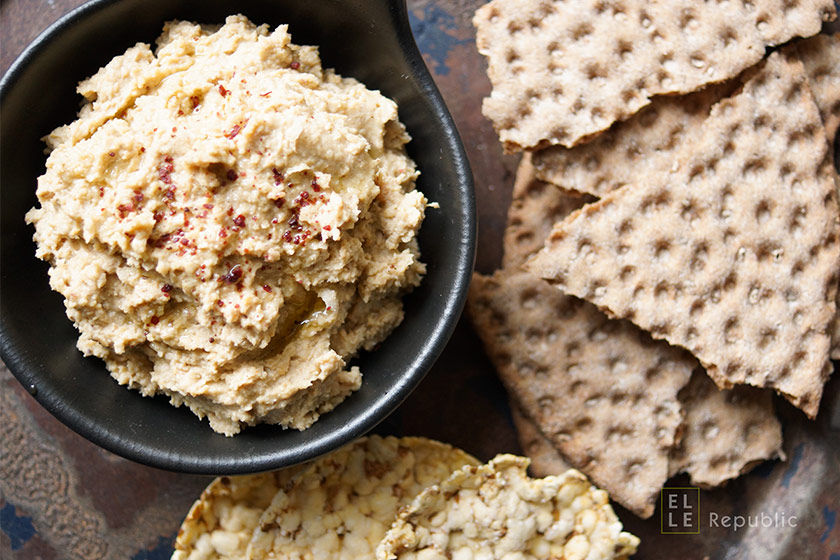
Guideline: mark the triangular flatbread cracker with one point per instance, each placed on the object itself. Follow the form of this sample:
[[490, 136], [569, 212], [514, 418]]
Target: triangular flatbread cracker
[[735, 254], [564, 71]]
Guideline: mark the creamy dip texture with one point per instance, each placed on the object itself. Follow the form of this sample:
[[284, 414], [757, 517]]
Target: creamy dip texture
[[229, 223]]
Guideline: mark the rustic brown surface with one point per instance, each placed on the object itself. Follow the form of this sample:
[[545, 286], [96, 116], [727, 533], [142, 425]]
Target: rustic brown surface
[[62, 497]]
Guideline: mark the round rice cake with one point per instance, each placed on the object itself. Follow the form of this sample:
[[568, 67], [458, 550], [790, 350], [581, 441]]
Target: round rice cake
[[497, 511], [341, 506], [221, 522]]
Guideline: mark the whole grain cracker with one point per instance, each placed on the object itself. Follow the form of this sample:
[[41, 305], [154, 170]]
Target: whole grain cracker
[[564, 71], [497, 511], [343, 503], [545, 459], [535, 207], [821, 56], [524, 324], [220, 523], [642, 146], [603, 391], [727, 432], [734, 255]]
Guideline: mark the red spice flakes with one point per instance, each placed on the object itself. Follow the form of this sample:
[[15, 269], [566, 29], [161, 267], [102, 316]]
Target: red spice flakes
[[294, 65], [101, 192], [231, 175], [279, 202], [194, 101], [112, 154], [232, 276], [169, 194], [154, 320], [208, 206], [220, 303], [138, 196], [302, 199], [223, 91], [315, 186], [231, 134], [212, 340], [158, 216], [166, 288], [223, 232], [230, 211], [239, 221], [266, 94], [180, 113], [165, 170], [327, 227], [267, 288], [278, 177], [142, 150], [124, 209]]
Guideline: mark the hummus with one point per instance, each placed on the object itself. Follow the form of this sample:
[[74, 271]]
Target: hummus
[[229, 223]]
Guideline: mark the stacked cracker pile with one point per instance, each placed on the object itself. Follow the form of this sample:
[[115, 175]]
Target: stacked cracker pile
[[405, 498], [671, 253]]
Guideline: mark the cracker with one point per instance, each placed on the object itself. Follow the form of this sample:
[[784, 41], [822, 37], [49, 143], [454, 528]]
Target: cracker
[[497, 511], [564, 71], [536, 205], [220, 523], [642, 146], [727, 432], [734, 255], [646, 144], [821, 56], [342, 505], [603, 391], [545, 459]]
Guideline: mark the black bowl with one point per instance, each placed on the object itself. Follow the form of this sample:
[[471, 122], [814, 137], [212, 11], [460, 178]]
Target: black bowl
[[366, 39]]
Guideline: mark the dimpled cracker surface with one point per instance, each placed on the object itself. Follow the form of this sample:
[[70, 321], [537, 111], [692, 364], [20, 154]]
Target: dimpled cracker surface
[[220, 523], [341, 506], [536, 205], [821, 56], [497, 511], [727, 432], [545, 459], [563, 71], [733, 256], [643, 145], [603, 391]]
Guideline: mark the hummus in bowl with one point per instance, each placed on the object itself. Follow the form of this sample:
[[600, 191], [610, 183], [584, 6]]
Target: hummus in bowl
[[229, 223]]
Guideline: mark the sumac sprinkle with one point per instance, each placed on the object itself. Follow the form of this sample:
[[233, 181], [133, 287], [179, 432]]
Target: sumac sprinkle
[[294, 65], [112, 154], [169, 193], [223, 91], [327, 227], [278, 177], [233, 275], [166, 288], [294, 223], [233, 132], [267, 288], [158, 216], [208, 206], [315, 186], [154, 320], [125, 209], [138, 196], [194, 100], [279, 202], [239, 220], [231, 175]]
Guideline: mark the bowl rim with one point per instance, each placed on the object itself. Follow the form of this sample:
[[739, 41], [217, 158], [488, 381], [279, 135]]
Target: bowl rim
[[19, 363]]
